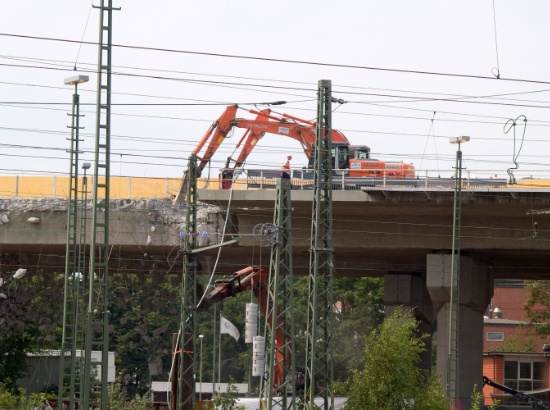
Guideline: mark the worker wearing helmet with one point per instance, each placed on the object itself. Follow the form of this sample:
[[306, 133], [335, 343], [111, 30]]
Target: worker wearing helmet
[[285, 168]]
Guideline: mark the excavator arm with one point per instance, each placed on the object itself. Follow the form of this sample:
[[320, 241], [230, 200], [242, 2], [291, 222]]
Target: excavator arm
[[533, 401], [250, 278], [215, 135], [303, 131]]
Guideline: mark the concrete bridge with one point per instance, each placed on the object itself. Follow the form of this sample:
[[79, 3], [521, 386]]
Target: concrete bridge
[[376, 230], [401, 234]]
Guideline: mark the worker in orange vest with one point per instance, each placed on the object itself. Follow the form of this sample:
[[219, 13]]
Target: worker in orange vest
[[285, 168]]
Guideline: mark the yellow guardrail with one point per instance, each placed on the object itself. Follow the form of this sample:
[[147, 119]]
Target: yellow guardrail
[[166, 188], [120, 187]]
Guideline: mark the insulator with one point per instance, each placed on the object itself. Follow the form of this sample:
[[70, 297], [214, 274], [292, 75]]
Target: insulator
[[258, 356]]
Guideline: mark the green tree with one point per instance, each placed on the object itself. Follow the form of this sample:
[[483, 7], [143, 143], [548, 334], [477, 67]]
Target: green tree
[[144, 315], [119, 400], [17, 399], [145, 312], [360, 303], [391, 380], [359, 309], [538, 306], [13, 354], [228, 400], [519, 342], [29, 319], [477, 401]]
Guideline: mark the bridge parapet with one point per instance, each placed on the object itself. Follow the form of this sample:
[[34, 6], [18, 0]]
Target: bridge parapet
[[25, 186]]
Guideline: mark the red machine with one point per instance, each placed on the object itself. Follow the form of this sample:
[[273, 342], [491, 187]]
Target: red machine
[[253, 278], [353, 161]]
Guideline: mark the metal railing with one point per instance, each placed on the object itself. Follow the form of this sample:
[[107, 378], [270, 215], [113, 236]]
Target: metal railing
[[427, 179], [25, 186]]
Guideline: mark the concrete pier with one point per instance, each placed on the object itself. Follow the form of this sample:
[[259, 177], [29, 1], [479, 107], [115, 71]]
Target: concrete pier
[[476, 290]]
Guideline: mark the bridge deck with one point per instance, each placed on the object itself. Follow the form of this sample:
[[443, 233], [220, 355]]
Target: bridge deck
[[376, 229]]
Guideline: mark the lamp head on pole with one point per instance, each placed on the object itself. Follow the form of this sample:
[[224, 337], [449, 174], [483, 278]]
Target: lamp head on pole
[[459, 140], [77, 79], [201, 336]]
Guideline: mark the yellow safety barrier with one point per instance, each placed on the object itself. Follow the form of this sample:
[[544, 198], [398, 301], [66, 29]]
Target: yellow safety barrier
[[120, 187]]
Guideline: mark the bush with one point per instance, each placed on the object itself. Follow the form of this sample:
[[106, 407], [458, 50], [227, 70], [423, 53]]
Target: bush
[[17, 399], [391, 379], [228, 400], [119, 400]]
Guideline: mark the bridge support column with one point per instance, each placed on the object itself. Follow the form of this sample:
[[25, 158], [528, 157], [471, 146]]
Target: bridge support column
[[409, 290], [476, 290]]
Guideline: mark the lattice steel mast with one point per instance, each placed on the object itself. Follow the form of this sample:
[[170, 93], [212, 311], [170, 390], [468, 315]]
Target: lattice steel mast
[[72, 342], [279, 327], [97, 323], [185, 399], [319, 344]]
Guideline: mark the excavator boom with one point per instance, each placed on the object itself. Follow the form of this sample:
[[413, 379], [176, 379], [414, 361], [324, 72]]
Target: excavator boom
[[533, 401], [303, 131]]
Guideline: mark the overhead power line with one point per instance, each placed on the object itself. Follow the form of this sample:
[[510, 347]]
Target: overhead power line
[[287, 61]]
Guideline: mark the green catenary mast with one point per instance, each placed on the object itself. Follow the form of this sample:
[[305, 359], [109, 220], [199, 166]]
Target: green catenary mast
[[319, 343]]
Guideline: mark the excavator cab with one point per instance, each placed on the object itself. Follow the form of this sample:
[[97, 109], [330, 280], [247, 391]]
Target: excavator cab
[[340, 157], [359, 152]]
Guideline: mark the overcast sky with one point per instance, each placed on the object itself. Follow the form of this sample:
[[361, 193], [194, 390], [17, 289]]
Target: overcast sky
[[413, 75]]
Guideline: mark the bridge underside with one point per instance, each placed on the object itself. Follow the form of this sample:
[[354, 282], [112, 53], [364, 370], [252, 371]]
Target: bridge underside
[[375, 231], [372, 262]]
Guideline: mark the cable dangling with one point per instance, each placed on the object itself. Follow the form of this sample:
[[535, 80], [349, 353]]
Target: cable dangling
[[509, 125], [496, 70]]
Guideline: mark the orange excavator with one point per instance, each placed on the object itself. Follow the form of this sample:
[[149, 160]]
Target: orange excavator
[[351, 161], [253, 278]]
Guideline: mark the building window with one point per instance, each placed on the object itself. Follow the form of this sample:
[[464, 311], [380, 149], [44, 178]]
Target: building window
[[524, 376], [495, 336]]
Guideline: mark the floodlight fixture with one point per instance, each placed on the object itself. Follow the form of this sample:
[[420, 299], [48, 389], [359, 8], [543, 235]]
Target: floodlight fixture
[[77, 79], [86, 165], [459, 140]]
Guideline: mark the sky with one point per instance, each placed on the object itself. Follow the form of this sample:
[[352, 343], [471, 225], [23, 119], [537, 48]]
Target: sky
[[413, 75]]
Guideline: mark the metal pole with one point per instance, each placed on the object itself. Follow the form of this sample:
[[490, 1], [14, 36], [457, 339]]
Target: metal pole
[[214, 354], [200, 369], [70, 374], [220, 355], [186, 399], [453, 368]]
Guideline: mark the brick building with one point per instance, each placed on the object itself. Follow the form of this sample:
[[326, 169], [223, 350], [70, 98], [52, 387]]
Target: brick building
[[514, 355]]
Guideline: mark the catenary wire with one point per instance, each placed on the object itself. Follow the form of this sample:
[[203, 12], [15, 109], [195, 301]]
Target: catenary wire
[[276, 60]]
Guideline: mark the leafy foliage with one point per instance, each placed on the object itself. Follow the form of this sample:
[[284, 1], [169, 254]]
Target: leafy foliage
[[145, 313], [13, 354], [518, 342], [477, 401], [361, 310], [8, 400], [228, 400], [538, 306], [30, 320], [18, 400], [390, 379], [119, 400]]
